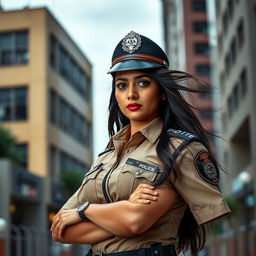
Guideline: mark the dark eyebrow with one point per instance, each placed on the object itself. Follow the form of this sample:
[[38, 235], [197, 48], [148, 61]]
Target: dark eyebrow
[[136, 77], [122, 79]]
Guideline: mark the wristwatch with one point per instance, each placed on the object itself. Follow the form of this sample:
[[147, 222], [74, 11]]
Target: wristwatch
[[80, 209]]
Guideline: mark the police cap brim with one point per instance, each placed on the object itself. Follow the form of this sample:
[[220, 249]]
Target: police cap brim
[[133, 65]]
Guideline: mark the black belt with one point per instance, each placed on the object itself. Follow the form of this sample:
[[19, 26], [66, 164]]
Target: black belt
[[153, 250]]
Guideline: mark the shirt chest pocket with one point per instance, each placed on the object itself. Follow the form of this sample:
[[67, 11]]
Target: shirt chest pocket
[[133, 173], [88, 189]]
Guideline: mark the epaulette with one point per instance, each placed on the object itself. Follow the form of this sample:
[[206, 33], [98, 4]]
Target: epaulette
[[186, 136]]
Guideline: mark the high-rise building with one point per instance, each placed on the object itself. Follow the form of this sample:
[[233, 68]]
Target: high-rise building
[[45, 101], [187, 45], [234, 65]]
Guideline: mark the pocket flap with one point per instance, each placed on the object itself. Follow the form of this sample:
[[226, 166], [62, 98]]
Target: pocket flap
[[91, 174]]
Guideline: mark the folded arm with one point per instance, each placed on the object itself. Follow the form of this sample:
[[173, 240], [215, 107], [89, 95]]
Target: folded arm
[[82, 233], [124, 218]]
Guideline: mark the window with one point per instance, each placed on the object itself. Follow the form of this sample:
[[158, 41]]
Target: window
[[236, 96], [53, 109], [64, 117], [13, 48], [203, 69], [199, 5], [230, 9], [53, 52], [200, 27], [243, 82], [13, 104], [68, 163], [228, 64], [233, 50], [240, 33], [23, 151], [205, 91], [73, 123], [225, 21], [201, 48], [53, 162], [206, 115], [66, 66]]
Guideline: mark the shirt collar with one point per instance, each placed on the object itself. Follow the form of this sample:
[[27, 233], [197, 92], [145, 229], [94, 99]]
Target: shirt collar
[[151, 132], [153, 129]]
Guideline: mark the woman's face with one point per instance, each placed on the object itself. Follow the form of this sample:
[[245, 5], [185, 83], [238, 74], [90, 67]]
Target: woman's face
[[137, 95]]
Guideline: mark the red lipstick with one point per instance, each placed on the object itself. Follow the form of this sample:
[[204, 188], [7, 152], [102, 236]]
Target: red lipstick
[[133, 106]]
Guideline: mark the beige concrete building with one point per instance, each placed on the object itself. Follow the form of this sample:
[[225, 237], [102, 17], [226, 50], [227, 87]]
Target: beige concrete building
[[45, 100]]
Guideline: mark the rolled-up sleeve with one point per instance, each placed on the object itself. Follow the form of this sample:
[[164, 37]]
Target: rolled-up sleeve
[[198, 184]]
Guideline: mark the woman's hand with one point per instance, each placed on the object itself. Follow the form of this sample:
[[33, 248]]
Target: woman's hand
[[143, 194], [62, 219]]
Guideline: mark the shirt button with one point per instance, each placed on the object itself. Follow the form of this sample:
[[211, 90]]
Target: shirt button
[[127, 151], [137, 173], [156, 252]]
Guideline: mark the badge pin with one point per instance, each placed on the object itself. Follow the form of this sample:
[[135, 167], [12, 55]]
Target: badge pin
[[131, 42]]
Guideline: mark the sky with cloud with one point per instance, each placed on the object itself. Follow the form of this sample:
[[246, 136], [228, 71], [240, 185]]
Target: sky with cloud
[[97, 26]]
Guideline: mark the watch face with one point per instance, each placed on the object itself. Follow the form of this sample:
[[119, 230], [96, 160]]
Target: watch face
[[81, 207]]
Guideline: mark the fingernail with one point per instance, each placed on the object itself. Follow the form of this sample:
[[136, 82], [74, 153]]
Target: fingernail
[[155, 193]]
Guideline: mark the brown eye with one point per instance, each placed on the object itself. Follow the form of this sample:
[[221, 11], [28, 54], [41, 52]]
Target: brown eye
[[121, 85], [143, 83]]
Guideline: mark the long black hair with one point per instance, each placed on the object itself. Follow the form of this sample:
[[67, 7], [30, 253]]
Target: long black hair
[[176, 113]]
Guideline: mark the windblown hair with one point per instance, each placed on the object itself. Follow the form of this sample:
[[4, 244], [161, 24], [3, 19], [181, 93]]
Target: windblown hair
[[176, 113]]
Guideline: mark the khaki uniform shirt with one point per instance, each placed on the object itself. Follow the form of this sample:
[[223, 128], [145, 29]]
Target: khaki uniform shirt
[[118, 171]]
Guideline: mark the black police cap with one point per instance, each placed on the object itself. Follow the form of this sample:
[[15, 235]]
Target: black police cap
[[135, 52]]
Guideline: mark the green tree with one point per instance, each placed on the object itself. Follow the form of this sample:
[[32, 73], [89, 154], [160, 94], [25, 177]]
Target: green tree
[[71, 180], [8, 147]]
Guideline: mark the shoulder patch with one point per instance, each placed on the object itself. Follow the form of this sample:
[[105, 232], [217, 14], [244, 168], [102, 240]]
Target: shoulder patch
[[206, 167], [105, 151]]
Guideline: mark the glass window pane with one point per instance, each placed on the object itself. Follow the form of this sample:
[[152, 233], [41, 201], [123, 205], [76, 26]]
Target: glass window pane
[[23, 150], [53, 107], [5, 41], [22, 40], [203, 69], [14, 48], [200, 27], [5, 104], [20, 103], [199, 5], [6, 57], [21, 57]]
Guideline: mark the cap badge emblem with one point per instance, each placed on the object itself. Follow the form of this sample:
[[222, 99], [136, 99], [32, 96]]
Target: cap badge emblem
[[131, 42]]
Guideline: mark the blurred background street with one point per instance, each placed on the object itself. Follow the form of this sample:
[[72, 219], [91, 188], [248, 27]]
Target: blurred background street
[[54, 92]]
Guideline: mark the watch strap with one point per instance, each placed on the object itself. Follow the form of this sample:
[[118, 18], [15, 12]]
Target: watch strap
[[81, 212]]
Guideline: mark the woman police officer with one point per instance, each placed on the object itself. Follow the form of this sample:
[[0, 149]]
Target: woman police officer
[[158, 149]]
